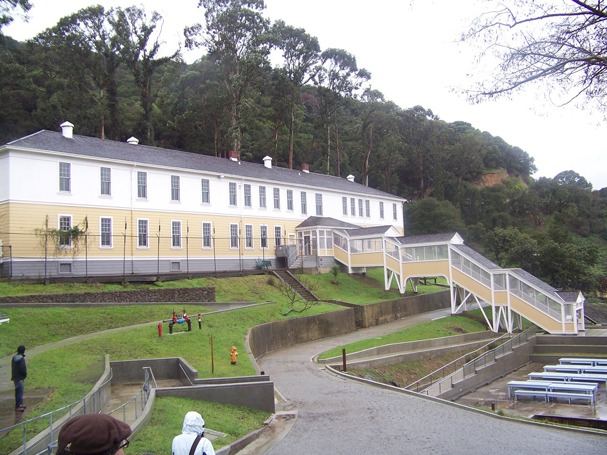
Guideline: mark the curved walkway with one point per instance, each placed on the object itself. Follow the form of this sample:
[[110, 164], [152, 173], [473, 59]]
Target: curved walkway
[[341, 416]]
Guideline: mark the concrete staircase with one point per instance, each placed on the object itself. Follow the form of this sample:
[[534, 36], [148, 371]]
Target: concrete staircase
[[289, 279], [549, 348]]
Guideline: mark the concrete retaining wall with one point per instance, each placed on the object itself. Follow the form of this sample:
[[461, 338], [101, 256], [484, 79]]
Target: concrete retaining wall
[[392, 310], [408, 347], [254, 395], [275, 335], [163, 295], [131, 371], [502, 366]]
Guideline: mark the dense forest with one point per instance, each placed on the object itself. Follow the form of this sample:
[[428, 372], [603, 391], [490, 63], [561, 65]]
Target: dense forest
[[269, 89]]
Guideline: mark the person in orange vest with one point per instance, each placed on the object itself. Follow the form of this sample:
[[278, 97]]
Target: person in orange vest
[[233, 355]]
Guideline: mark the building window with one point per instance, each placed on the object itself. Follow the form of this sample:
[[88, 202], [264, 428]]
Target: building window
[[233, 199], [352, 206], [176, 234], [367, 208], [206, 191], [277, 235], [290, 200], [106, 181], [65, 267], [142, 185], [263, 236], [174, 187], [318, 204], [262, 197], [175, 266], [206, 235], [65, 177], [248, 234], [105, 225], [304, 203], [247, 196], [344, 205], [233, 236], [142, 234], [277, 198], [360, 207], [381, 210], [64, 240], [394, 211]]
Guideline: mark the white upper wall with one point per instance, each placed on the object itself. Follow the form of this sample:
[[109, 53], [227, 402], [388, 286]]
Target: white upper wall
[[34, 178]]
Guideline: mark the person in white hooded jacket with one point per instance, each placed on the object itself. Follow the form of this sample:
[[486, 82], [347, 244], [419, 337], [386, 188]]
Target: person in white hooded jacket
[[192, 432]]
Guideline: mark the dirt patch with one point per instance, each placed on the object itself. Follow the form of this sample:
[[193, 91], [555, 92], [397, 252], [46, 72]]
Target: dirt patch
[[403, 374]]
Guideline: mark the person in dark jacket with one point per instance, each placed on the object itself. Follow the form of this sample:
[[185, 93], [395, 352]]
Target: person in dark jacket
[[19, 373]]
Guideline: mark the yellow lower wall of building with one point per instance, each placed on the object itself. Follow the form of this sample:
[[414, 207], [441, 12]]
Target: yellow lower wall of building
[[375, 259], [535, 316], [340, 255], [501, 298], [21, 221], [471, 284], [392, 264], [430, 268]]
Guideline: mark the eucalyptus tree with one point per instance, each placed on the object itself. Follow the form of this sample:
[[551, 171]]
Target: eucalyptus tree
[[338, 78], [238, 38], [139, 43], [83, 49], [7, 8], [559, 46], [301, 57]]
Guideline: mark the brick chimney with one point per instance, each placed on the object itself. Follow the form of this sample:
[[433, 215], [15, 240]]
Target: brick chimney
[[306, 168], [233, 156]]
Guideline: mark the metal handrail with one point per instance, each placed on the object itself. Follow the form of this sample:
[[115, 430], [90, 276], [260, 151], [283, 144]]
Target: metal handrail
[[470, 368], [50, 414], [454, 362]]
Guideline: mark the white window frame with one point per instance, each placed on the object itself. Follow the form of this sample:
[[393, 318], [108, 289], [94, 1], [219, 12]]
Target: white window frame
[[262, 197], [232, 194], [60, 226], [102, 233], [344, 205], [304, 203], [142, 185], [105, 175], [290, 200], [276, 193], [175, 188], [381, 209], [352, 206], [209, 237], [206, 191], [176, 231], [318, 199], [263, 236], [146, 234], [249, 243], [367, 208], [277, 235], [65, 177], [394, 211], [234, 240], [248, 197]]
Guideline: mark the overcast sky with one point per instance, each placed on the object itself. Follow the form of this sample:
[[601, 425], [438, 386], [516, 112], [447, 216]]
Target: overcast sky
[[413, 52]]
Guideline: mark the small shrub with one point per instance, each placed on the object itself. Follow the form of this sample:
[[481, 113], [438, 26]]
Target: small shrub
[[335, 272], [271, 281]]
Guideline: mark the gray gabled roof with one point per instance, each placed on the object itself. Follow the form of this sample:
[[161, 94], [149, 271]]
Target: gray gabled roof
[[570, 296], [364, 232], [93, 147], [479, 258], [322, 221], [524, 275], [429, 238]]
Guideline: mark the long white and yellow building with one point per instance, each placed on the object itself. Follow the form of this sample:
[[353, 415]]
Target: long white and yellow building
[[148, 210]]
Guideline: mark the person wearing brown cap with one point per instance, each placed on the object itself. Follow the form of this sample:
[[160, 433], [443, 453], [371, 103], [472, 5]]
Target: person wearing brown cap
[[93, 434]]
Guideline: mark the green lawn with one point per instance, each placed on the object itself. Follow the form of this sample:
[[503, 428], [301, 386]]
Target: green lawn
[[452, 325]]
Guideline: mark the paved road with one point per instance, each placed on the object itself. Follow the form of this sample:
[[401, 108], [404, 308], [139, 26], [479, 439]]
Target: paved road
[[339, 416]]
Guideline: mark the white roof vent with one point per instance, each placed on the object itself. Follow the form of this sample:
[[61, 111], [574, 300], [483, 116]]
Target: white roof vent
[[67, 129], [133, 140], [350, 178], [267, 161]]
